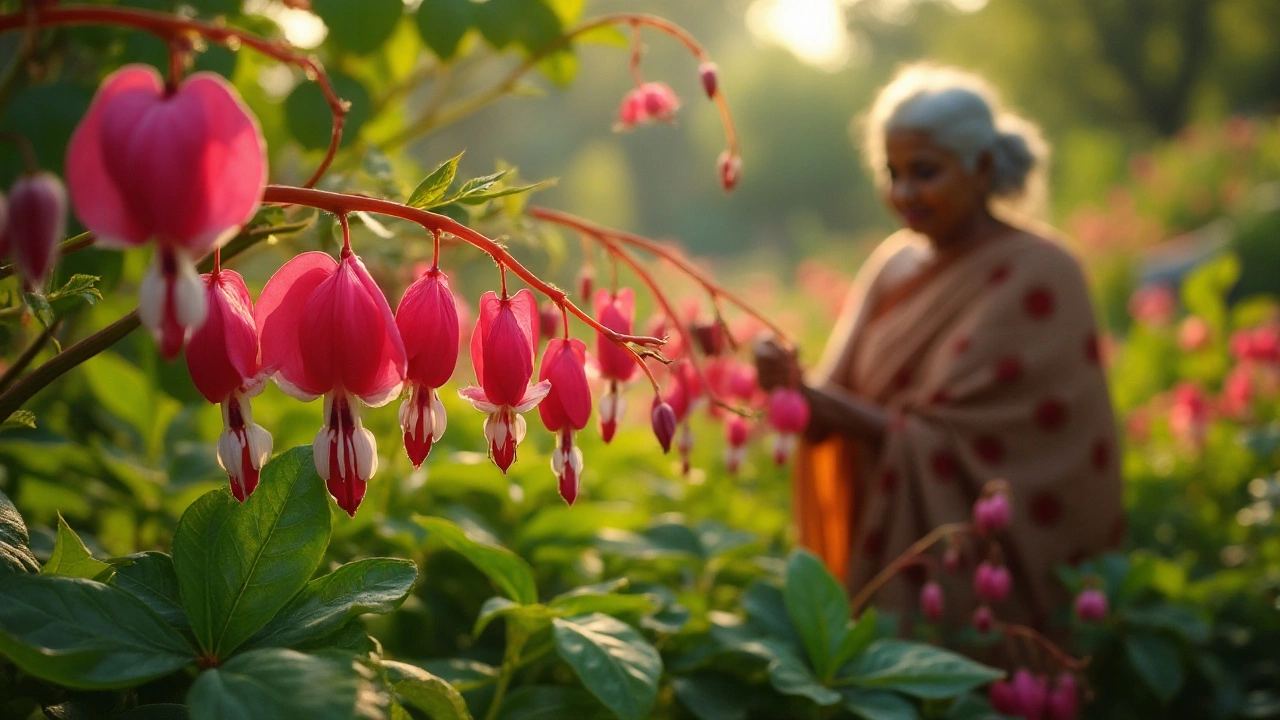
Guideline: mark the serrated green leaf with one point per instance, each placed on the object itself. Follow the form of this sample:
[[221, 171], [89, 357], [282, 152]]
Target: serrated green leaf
[[479, 196], [84, 634], [77, 287], [276, 684], [150, 577], [39, 306], [511, 574], [479, 184], [239, 564], [429, 192], [616, 665], [71, 558], [15, 543], [19, 419], [372, 585]]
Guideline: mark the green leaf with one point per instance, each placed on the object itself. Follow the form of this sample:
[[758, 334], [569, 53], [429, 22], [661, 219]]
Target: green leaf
[[71, 558], [429, 192], [788, 673], [550, 702], [505, 569], [465, 675], [77, 288], [858, 638], [372, 585], [429, 693], [972, 707], [613, 661], [275, 684], [572, 603], [84, 634], [239, 564], [919, 670], [878, 705], [531, 617], [19, 419], [1158, 662], [712, 696], [475, 197], [15, 544], [39, 306], [443, 23], [156, 711], [150, 577], [359, 27], [819, 608], [478, 185], [309, 118]]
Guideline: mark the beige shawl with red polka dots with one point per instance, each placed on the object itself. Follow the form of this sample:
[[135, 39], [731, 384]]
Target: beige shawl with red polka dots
[[989, 370]]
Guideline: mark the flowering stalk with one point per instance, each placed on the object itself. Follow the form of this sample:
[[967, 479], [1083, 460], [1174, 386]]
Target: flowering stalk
[[170, 28], [342, 203]]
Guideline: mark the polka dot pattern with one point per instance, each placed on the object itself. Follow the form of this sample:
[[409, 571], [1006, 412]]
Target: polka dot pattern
[[998, 274], [1039, 303], [1051, 414], [889, 479], [989, 449], [1101, 454], [943, 464], [874, 542], [1092, 352], [960, 345], [1046, 509], [1008, 369]]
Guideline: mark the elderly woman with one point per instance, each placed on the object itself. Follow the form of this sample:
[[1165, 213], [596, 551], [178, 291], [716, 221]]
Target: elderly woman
[[966, 352]]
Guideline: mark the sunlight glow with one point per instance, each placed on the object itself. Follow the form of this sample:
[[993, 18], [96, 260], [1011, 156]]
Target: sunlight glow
[[302, 29], [813, 30]]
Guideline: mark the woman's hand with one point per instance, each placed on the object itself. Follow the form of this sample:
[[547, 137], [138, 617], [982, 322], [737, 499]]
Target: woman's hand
[[776, 366]]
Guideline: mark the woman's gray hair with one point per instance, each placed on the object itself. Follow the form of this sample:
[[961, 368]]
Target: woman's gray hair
[[961, 112]]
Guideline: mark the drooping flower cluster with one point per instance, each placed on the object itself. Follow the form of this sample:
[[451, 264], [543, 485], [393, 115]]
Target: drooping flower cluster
[[182, 167], [1030, 696]]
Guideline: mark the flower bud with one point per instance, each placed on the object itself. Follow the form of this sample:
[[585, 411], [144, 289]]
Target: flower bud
[[549, 321], [664, 423], [37, 221], [951, 560], [1032, 692], [707, 72], [931, 601], [982, 619], [991, 514], [737, 430], [1003, 698], [1091, 605], [730, 167], [992, 582]]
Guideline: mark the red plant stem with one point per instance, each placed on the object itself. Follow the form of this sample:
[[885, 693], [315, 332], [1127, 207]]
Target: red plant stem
[[172, 27], [346, 234], [637, 50], [502, 273], [714, 289], [217, 261], [435, 249], [340, 203], [904, 560], [1036, 638]]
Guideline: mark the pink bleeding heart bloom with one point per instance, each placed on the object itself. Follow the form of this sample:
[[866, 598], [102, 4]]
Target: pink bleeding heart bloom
[[1003, 698], [184, 167], [1153, 305], [1032, 692], [708, 74], [742, 382], [37, 221], [789, 416], [615, 311], [1237, 392], [327, 331], [1194, 334], [992, 582], [650, 102], [729, 165], [1064, 701], [663, 420], [428, 322], [1091, 605], [222, 358], [680, 395], [1260, 344], [502, 354], [737, 430], [931, 601], [991, 514], [566, 409]]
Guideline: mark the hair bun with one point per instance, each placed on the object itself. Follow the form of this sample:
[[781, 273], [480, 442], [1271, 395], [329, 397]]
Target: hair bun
[[1016, 151]]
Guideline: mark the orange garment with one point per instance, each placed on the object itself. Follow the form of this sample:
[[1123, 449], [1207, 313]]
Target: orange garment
[[989, 369]]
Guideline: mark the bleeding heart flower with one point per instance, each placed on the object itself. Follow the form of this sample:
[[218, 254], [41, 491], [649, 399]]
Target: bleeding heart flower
[[1032, 692], [730, 167], [1003, 698], [37, 221], [566, 408], [185, 168], [708, 75], [222, 358], [1189, 416], [982, 619], [1194, 333], [1153, 305], [1064, 701], [992, 582], [991, 514], [1091, 605], [931, 601], [502, 354], [789, 416], [650, 102], [737, 430], [616, 312], [428, 322], [327, 330], [663, 420]]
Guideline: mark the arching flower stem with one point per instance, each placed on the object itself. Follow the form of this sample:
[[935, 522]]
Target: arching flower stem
[[714, 289], [338, 203], [176, 29]]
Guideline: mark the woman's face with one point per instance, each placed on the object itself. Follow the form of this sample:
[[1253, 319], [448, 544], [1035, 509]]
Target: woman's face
[[930, 188]]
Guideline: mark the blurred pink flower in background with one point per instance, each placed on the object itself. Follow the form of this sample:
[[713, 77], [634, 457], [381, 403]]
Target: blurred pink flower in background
[[1189, 415], [1153, 305], [1194, 334]]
